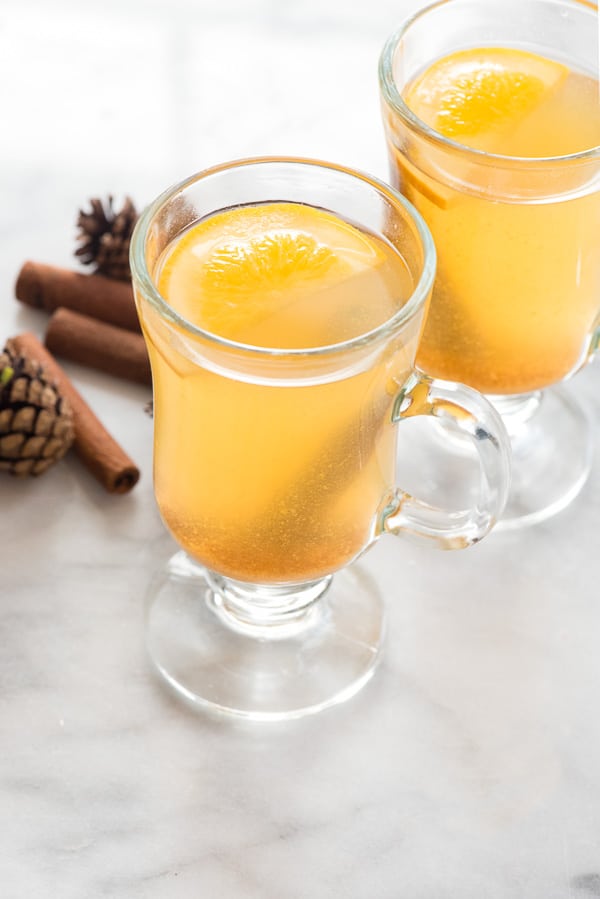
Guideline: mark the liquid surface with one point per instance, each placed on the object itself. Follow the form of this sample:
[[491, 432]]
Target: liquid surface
[[276, 482], [283, 275], [517, 292]]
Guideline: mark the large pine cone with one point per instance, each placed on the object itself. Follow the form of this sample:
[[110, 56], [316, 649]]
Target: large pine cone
[[36, 422], [104, 237]]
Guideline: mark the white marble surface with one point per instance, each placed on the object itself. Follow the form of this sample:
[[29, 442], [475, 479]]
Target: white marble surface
[[470, 766]]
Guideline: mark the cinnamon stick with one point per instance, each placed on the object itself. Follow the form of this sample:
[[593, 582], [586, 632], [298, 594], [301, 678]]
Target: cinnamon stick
[[93, 343], [48, 287], [102, 455]]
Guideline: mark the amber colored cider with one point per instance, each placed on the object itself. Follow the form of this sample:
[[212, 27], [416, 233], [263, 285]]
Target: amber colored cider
[[267, 471], [517, 293]]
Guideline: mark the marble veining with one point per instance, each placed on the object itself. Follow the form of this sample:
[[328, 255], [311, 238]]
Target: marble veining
[[469, 767]]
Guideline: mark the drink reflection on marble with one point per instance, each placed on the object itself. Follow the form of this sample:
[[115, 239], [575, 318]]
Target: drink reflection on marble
[[499, 149], [282, 302]]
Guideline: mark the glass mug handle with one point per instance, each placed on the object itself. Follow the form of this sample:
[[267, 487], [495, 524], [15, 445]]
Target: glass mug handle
[[470, 414], [594, 346]]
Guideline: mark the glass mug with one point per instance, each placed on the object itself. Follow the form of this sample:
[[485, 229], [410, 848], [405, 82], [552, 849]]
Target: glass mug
[[274, 467], [516, 301]]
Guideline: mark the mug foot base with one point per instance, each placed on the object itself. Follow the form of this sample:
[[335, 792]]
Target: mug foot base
[[551, 458], [218, 668]]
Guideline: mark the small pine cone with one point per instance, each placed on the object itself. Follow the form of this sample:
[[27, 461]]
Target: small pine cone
[[104, 237], [36, 422]]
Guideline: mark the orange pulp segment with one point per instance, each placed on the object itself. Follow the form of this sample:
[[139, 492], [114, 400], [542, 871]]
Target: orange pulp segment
[[268, 274], [476, 96]]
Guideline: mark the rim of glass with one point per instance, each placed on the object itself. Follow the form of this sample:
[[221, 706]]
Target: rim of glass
[[142, 276], [394, 99]]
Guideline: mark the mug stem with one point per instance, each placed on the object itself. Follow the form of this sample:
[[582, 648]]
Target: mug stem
[[266, 611], [516, 409]]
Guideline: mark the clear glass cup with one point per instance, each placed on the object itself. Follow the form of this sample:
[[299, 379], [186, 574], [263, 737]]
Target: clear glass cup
[[275, 469], [516, 302]]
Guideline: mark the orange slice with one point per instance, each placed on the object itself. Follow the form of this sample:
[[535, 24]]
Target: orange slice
[[233, 270], [475, 96]]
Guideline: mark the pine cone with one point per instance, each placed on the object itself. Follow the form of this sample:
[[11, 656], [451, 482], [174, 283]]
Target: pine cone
[[36, 422], [105, 236]]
